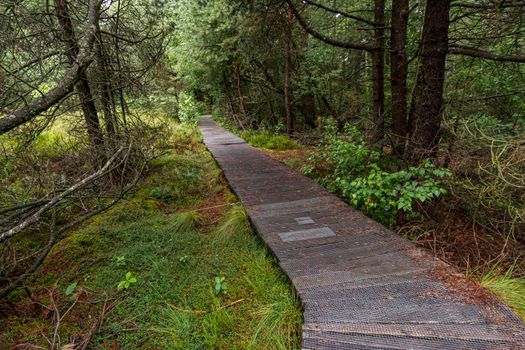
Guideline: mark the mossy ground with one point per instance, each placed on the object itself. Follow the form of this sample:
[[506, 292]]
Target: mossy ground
[[180, 230], [268, 140]]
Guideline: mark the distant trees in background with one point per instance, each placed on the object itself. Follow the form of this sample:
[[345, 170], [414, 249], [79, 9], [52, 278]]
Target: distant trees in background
[[436, 79], [394, 67]]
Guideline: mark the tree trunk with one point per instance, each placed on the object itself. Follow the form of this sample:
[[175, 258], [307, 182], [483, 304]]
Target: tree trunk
[[124, 109], [427, 99], [287, 74], [106, 93], [357, 59], [87, 102], [242, 108], [307, 104], [398, 73], [308, 110], [378, 66]]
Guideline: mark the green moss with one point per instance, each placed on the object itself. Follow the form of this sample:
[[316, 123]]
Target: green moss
[[270, 141]]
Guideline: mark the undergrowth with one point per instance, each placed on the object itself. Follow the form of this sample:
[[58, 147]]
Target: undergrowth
[[265, 139], [345, 165], [165, 246]]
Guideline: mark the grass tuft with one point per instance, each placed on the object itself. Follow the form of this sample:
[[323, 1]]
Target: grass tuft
[[187, 221], [234, 222], [509, 288]]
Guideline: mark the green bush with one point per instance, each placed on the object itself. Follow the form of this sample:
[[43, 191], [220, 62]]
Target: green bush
[[188, 110], [344, 164], [383, 194]]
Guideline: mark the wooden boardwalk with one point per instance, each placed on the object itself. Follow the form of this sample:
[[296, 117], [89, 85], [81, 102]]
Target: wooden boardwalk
[[362, 286]]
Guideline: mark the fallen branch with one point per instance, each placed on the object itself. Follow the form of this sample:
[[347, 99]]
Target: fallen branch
[[55, 236], [55, 200]]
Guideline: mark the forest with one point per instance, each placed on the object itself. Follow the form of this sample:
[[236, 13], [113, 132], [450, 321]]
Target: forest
[[118, 229]]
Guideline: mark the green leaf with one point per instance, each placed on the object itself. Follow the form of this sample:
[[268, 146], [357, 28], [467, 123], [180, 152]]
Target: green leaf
[[71, 288]]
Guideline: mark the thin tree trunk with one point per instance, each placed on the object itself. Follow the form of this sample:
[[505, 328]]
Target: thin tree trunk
[[378, 78], [398, 73], [87, 102], [308, 110], [357, 69], [427, 100], [287, 74], [104, 76], [242, 108], [328, 106], [307, 104], [123, 106]]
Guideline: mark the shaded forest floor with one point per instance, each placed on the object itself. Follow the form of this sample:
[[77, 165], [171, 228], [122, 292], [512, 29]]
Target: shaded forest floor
[[192, 273]]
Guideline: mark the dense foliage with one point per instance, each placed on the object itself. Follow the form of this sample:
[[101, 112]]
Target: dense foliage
[[346, 166]]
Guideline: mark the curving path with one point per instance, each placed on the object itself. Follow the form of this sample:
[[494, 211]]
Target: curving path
[[362, 286]]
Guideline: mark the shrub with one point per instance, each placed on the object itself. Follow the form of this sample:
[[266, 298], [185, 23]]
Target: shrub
[[345, 165], [383, 194], [188, 111], [490, 169]]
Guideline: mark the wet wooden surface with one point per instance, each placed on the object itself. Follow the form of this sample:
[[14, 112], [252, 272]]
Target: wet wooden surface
[[362, 286]]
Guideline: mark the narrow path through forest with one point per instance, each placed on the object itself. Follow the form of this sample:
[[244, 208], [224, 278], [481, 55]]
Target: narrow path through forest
[[362, 286]]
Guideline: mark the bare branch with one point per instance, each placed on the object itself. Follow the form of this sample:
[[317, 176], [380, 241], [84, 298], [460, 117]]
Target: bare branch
[[342, 13], [322, 37], [472, 52]]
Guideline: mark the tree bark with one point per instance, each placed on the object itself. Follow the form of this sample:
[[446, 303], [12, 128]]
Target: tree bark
[[427, 100], [87, 101], [287, 74], [106, 93], [242, 108], [378, 76], [398, 73]]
